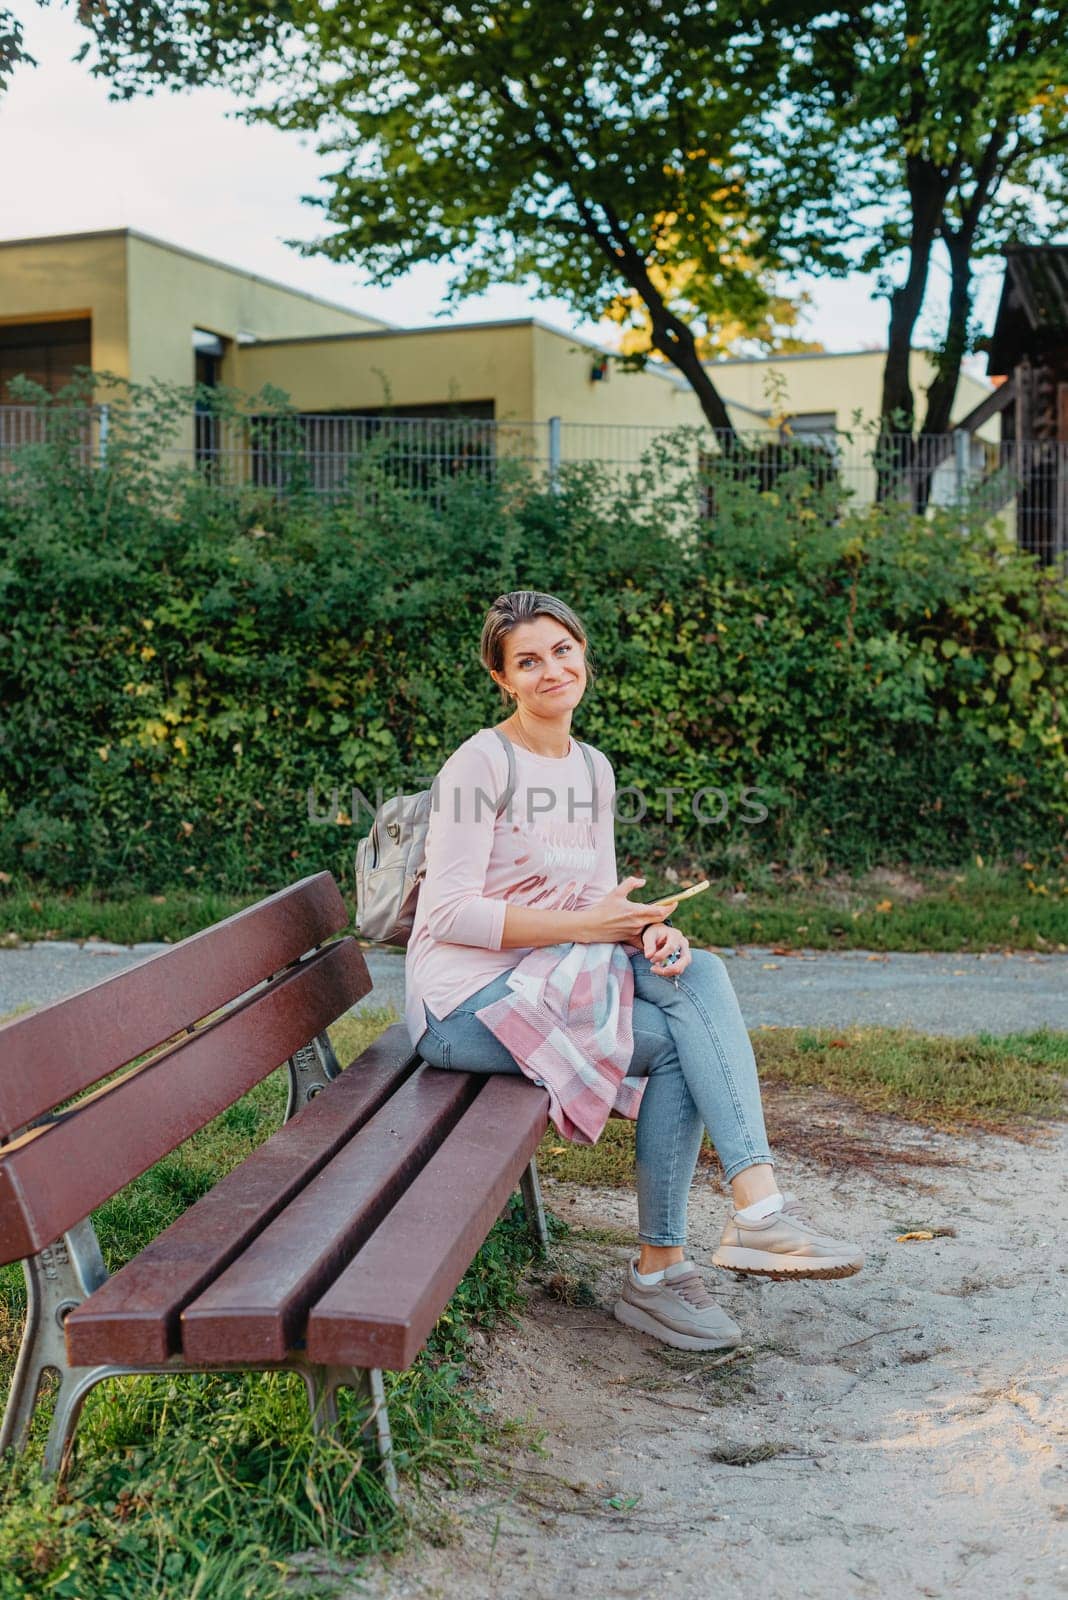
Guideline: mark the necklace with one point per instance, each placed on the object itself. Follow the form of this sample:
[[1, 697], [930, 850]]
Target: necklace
[[534, 752]]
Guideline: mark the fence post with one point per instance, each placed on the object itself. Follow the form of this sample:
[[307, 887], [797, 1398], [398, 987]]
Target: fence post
[[102, 438], [554, 454], [960, 459], [1059, 553]]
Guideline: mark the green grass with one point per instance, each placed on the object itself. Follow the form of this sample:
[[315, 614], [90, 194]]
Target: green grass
[[980, 1081], [203, 1487], [30, 911], [993, 906]]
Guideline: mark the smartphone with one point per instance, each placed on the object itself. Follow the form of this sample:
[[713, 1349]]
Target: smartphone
[[686, 894]]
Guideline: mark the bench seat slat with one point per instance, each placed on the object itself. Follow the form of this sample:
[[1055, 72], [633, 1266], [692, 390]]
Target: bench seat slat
[[381, 1308], [55, 1175], [133, 1318], [257, 1308], [64, 1048]]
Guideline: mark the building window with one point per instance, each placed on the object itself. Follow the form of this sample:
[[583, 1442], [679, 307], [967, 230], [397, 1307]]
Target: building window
[[46, 352], [814, 427], [208, 352], [462, 410]]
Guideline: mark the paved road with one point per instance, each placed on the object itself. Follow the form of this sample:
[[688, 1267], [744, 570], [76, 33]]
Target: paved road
[[937, 993]]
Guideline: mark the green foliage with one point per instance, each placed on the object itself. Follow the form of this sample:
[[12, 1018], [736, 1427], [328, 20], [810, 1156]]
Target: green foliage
[[927, 123], [12, 50], [580, 149], [180, 664]]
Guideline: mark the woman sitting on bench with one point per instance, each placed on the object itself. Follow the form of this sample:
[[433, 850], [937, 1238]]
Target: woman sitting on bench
[[523, 934]]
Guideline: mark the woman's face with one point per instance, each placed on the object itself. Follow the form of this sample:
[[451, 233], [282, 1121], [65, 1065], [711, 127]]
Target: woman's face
[[545, 665]]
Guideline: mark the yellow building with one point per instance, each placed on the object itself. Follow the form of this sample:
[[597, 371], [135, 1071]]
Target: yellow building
[[123, 303]]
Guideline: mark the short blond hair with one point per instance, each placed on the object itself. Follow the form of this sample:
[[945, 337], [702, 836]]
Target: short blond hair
[[509, 611]]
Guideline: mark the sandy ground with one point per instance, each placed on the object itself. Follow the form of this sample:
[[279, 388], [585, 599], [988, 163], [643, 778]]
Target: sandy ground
[[912, 1418]]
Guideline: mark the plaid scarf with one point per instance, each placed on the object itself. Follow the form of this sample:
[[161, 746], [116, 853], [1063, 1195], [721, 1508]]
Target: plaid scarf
[[568, 1022]]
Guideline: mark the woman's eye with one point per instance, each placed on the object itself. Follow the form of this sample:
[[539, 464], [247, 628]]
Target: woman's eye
[[561, 649]]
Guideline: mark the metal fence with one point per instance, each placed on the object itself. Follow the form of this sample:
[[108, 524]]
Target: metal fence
[[82, 430], [1024, 483]]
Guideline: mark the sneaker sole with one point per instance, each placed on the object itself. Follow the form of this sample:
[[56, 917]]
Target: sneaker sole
[[635, 1317], [767, 1264]]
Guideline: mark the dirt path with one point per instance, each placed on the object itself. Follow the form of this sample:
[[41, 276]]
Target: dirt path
[[905, 1429]]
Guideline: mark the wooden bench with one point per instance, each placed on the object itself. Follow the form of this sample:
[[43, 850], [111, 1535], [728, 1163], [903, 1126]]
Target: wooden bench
[[331, 1250]]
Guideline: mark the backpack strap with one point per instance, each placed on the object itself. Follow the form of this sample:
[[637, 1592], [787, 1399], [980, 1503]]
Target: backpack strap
[[587, 752], [509, 789], [506, 798]]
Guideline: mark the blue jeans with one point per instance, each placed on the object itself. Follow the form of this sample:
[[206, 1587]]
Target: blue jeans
[[691, 1044]]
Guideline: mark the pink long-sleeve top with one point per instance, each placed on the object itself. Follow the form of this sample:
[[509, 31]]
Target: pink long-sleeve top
[[547, 850]]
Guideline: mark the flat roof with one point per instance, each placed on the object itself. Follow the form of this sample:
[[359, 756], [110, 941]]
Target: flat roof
[[398, 330], [796, 355], [193, 255]]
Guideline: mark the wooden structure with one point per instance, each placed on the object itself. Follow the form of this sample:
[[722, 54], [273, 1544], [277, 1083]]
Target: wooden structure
[[331, 1250], [1029, 351]]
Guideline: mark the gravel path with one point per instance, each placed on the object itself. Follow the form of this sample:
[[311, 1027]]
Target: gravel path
[[937, 993], [898, 1434]]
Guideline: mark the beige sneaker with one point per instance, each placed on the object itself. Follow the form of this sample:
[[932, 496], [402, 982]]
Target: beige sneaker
[[678, 1310], [785, 1245]]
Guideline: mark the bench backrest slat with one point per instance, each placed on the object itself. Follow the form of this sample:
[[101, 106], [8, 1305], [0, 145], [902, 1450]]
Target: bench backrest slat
[[53, 1176], [62, 1049]]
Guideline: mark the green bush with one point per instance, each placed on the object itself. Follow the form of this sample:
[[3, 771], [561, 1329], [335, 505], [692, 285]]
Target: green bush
[[180, 663]]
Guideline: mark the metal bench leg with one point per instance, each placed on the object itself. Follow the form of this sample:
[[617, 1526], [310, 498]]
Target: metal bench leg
[[323, 1383], [376, 1428], [22, 1398], [531, 1191], [74, 1384], [310, 1070], [57, 1279]]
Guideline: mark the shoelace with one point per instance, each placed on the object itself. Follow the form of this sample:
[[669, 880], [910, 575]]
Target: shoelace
[[795, 1208], [692, 1288]]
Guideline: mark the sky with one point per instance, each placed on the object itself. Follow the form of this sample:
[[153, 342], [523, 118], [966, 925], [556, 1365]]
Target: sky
[[183, 168]]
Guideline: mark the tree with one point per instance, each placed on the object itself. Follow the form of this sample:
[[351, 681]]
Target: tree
[[661, 161], [946, 122], [589, 148], [773, 331], [12, 51]]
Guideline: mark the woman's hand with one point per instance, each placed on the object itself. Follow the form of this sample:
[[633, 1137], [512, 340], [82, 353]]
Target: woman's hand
[[617, 920], [660, 942]]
